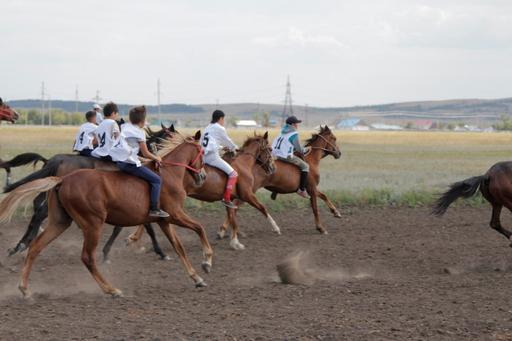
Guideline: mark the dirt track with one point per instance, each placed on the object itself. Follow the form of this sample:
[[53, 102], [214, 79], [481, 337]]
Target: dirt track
[[388, 274]]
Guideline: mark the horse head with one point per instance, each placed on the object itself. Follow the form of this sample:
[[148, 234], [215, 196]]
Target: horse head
[[326, 141], [7, 113], [259, 147]]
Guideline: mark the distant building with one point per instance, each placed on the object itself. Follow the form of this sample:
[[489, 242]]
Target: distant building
[[383, 126], [352, 124], [247, 124], [422, 124]]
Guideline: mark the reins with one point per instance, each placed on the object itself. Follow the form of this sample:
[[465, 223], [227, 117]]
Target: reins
[[200, 153], [323, 148]]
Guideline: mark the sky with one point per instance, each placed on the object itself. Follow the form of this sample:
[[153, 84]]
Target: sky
[[337, 53]]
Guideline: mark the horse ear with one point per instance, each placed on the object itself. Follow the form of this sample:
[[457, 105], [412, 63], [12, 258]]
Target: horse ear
[[172, 129], [265, 136], [327, 128], [162, 125], [197, 136]]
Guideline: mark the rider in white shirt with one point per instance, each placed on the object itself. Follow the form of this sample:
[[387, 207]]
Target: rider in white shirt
[[215, 138], [107, 132], [85, 139], [286, 145], [97, 109], [125, 153]]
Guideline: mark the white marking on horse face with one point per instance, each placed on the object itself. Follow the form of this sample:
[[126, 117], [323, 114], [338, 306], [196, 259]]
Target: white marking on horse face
[[275, 228]]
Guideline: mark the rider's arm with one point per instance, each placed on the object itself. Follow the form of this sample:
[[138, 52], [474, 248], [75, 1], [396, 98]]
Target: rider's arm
[[225, 141], [115, 131], [147, 154], [296, 144]]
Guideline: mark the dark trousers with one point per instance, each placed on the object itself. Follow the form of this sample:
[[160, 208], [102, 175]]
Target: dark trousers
[[85, 152], [151, 177]]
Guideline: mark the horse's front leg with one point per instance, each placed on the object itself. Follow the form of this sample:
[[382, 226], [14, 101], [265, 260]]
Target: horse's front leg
[[329, 204], [314, 206]]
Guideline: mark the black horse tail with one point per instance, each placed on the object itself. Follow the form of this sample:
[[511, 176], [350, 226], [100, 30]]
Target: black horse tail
[[23, 159], [462, 189], [50, 169]]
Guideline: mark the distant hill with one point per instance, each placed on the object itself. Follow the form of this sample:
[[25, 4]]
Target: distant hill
[[467, 110]]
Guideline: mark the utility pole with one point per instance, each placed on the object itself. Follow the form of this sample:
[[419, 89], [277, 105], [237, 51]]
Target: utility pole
[[158, 92], [42, 103], [97, 98], [49, 110], [306, 115], [76, 98], [288, 108]]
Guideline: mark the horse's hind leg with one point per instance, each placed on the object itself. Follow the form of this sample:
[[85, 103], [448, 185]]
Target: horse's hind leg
[[234, 243], [154, 241], [135, 236], [170, 233], [91, 237], [52, 231], [40, 214], [496, 223], [110, 242], [329, 204]]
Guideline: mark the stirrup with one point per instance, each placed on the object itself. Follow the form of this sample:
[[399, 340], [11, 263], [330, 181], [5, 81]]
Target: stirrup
[[229, 204]]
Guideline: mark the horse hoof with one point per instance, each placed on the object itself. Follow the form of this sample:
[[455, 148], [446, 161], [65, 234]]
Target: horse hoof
[[25, 292], [322, 231], [207, 268], [165, 257], [221, 235], [337, 215], [236, 245], [117, 293], [201, 284], [107, 261]]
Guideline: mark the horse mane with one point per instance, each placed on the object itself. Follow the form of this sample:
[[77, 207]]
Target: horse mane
[[314, 137], [167, 146], [249, 140]]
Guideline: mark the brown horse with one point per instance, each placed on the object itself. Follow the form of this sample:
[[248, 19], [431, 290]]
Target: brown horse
[[7, 113], [92, 198], [255, 154], [286, 177], [495, 186]]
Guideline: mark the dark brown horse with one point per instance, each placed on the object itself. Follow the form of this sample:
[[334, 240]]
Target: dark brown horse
[[496, 187], [91, 198], [286, 177], [20, 160], [7, 113]]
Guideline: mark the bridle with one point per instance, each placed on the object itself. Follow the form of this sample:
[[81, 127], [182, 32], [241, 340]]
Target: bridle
[[200, 153], [329, 143], [263, 148], [6, 112]]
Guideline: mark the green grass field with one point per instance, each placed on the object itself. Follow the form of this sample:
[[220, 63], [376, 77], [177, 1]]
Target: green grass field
[[375, 168]]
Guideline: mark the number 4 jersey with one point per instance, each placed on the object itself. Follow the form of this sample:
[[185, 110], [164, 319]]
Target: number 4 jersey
[[105, 136], [85, 137]]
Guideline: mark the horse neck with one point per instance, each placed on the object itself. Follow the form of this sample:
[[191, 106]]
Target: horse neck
[[249, 160], [315, 155]]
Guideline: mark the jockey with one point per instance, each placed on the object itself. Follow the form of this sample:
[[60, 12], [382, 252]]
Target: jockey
[[107, 132], [284, 147], [97, 111], [215, 138], [85, 139], [125, 153]]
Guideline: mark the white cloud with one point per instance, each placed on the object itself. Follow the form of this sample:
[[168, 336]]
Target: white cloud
[[297, 37]]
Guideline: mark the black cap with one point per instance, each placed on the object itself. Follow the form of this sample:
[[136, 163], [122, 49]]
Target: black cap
[[292, 120]]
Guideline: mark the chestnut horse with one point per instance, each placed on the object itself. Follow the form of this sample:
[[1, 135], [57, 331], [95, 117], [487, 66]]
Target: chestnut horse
[[91, 198], [62, 164], [495, 187], [255, 153], [7, 113], [286, 178]]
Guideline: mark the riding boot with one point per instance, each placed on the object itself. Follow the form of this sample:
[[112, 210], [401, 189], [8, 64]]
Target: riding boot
[[229, 189], [303, 181]]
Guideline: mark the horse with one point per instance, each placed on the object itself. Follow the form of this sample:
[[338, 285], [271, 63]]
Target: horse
[[7, 113], [286, 177], [495, 187], [91, 197], [62, 164], [255, 153], [20, 160]]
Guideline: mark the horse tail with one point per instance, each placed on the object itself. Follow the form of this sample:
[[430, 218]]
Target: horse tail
[[23, 159], [50, 169], [462, 189], [24, 195]]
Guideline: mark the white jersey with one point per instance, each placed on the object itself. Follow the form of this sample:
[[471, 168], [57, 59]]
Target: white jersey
[[105, 137], [215, 138], [282, 147], [99, 117], [127, 147], [85, 136]]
